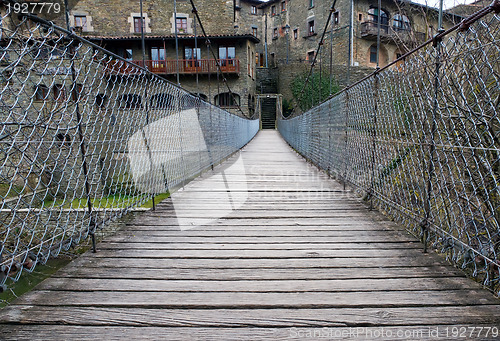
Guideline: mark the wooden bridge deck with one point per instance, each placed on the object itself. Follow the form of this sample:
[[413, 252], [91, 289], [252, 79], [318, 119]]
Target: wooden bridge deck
[[300, 258]]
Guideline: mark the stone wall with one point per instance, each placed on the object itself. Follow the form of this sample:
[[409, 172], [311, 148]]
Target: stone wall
[[286, 74], [111, 17]]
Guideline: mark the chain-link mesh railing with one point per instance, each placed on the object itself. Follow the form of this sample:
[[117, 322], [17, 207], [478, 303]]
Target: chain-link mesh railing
[[86, 136], [421, 139]]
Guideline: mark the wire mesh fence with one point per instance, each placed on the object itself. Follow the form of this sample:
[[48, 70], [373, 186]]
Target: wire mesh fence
[[85, 136], [421, 140]]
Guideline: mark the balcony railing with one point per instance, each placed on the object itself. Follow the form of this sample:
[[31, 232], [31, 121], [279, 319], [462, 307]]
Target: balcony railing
[[190, 66], [169, 67], [407, 35]]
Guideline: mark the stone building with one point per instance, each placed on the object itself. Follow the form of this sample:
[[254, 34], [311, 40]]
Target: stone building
[[293, 28], [175, 48]]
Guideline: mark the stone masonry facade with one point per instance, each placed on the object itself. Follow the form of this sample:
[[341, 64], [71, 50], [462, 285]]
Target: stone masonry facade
[[282, 34]]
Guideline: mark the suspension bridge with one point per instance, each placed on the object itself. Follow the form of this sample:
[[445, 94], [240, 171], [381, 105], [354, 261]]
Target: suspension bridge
[[361, 218]]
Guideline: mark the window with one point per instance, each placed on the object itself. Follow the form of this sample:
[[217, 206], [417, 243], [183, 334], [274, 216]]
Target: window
[[296, 34], [130, 101], [77, 92], [273, 10], [181, 24], [254, 31], [283, 6], [275, 33], [384, 18], [373, 54], [157, 53], [310, 28], [401, 23], [261, 60], [127, 54], [373, 16], [81, 21], [360, 16], [137, 25], [101, 100], [227, 54], [249, 61], [157, 58], [41, 92], [227, 99], [335, 18], [138, 21], [311, 3], [254, 10], [310, 56], [59, 92], [192, 56], [273, 59]]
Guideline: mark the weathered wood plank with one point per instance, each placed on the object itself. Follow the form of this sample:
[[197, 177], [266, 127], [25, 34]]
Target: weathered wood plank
[[282, 285], [367, 253], [259, 273], [207, 245], [251, 300], [251, 263], [264, 318], [57, 333]]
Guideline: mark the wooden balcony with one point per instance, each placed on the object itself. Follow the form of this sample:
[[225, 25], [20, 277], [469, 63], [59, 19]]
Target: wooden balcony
[[169, 67], [190, 66], [389, 33]]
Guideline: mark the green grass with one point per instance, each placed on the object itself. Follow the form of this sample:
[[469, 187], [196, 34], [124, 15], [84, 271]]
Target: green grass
[[111, 201], [29, 280], [158, 198], [8, 191]]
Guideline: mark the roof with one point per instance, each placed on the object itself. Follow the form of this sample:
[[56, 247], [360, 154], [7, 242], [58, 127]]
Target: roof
[[416, 4], [253, 2], [172, 37]]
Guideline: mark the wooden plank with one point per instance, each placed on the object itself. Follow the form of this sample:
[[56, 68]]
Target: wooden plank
[[264, 318], [113, 333], [261, 263], [258, 273], [366, 253], [207, 245], [354, 241], [250, 300], [245, 285], [259, 235]]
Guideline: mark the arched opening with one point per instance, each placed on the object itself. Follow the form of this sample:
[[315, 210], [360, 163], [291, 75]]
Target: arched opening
[[227, 100], [130, 101], [162, 101], [372, 55]]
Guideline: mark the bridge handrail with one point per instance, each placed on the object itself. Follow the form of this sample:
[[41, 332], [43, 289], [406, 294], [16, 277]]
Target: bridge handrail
[[420, 139], [86, 136]]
